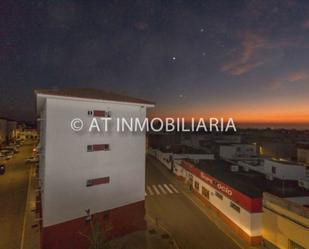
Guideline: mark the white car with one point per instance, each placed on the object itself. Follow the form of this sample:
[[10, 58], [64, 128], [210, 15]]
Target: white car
[[32, 159]]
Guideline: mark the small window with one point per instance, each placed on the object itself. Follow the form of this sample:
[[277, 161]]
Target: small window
[[97, 147], [273, 170], [219, 196], [89, 148], [205, 192], [97, 181], [196, 185], [99, 113], [235, 207]]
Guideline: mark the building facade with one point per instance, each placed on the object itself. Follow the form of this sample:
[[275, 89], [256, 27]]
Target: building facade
[[285, 223], [236, 194], [303, 153], [89, 175]]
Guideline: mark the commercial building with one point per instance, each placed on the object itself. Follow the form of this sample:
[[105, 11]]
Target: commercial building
[[88, 175], [235, 193], [285, 223]]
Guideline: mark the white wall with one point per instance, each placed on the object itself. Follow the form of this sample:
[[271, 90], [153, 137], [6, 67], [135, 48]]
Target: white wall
[[237, 151], [251, 223], [285, 171], [68, 165]]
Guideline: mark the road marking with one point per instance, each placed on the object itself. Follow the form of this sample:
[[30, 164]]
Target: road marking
[[173, 188], [149, 190], [156, 190], [168, 189], [26, 210], [162, 189]]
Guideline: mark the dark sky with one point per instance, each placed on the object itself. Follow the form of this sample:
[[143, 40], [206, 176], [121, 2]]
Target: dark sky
[[245, 59]]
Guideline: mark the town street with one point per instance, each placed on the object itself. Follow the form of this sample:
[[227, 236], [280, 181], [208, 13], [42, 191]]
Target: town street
[[13, 196], [171, 208]]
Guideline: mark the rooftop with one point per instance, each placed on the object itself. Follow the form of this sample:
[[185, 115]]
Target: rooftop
[[89, 93], [180, 149], [250, 183]]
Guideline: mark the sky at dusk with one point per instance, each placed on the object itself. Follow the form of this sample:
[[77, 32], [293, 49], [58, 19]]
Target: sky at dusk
[[243, 59]]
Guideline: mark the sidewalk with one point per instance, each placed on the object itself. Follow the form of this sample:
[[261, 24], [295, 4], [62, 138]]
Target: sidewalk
[[153, 238], [31, 228], [199, 204]]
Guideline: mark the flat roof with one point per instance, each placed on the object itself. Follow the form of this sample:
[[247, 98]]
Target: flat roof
[[180, 149], [250, 183], [282, 161], [90, 93]]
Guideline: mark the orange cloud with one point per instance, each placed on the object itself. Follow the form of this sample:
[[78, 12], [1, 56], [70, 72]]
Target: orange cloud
[[290, 78], [250, 43]]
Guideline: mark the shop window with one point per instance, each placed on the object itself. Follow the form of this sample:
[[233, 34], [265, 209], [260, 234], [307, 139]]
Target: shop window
[[219, 196], [97, 147], [235, 207], [205, 192], [196, 185], [273, 170]]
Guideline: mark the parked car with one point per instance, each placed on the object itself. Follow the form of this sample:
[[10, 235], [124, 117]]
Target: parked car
[[12, 148], [4, 157], [8, 153], [2, 169], [32, 159]]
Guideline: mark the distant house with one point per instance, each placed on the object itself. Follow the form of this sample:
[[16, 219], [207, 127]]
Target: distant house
[[11, 129], [303, 153], [3, 130]]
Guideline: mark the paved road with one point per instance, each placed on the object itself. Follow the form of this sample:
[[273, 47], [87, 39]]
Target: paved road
[[13, 195], [187, 223]]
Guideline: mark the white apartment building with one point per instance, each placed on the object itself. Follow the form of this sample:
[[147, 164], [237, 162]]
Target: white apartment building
[[89, 175]]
